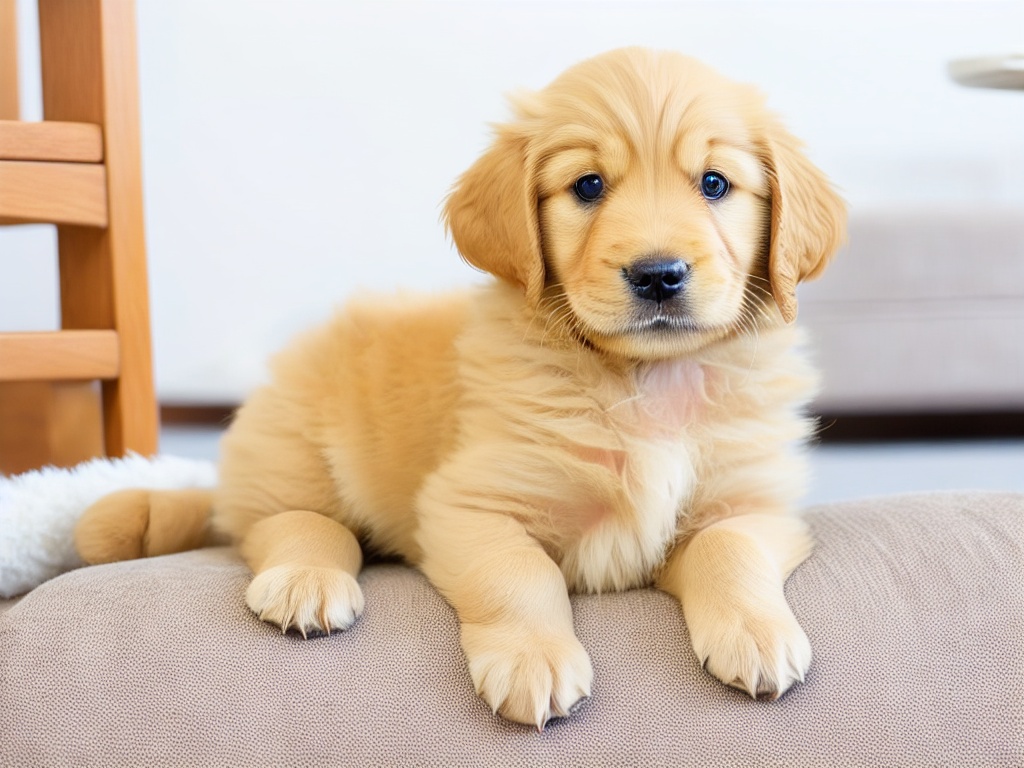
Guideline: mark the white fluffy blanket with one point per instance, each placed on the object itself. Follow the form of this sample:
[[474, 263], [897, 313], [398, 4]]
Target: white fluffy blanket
[[39, 509]]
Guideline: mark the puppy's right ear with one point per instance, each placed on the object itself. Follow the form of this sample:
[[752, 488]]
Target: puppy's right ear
[[808, 219], [492, 215]]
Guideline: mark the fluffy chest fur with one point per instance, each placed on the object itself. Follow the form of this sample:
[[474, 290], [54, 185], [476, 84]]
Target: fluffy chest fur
[[605, 466], [620, 525], [598, 464]]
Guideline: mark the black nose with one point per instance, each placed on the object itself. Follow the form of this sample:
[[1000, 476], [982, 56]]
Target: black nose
[[657, 279]]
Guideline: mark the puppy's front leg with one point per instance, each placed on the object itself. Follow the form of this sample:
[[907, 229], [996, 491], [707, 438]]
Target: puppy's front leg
[[305, 566], [729, 579], [512, 602]]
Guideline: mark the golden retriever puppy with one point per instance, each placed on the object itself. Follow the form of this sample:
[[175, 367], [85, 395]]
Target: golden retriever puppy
[[618, 409]]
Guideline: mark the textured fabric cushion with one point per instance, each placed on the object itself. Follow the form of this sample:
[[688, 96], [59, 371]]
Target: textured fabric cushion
[[913, 606]]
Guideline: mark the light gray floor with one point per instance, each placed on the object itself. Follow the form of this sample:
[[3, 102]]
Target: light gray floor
[[854, 471], [838, 472]]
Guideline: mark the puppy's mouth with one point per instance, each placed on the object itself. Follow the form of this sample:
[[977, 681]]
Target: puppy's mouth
[[643, 331], [664, 323], [658, 324], [652, 335]]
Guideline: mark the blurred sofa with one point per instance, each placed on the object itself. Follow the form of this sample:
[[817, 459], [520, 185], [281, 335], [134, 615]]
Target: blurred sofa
[[923, 311]]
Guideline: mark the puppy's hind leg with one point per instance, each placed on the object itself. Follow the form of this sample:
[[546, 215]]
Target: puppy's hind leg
[[305, 567], [135, 523]]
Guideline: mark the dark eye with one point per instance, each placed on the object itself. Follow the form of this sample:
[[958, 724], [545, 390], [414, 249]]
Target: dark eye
[[713, 185], [589, 188]]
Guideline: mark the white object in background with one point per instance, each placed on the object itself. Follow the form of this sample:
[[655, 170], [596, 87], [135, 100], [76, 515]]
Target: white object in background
[[39, 509], [1005, 72]]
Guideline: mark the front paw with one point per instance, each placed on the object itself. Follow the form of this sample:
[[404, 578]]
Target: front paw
[[524, 675], [761, 650], [310, 599]]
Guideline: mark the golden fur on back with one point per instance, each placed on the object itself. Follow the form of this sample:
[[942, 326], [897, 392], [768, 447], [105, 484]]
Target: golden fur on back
[[559, 429]]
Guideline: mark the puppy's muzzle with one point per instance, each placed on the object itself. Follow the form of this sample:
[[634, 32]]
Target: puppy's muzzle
[[656, 279]]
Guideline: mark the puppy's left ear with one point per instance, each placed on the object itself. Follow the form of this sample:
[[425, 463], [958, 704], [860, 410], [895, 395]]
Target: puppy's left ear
[[808, 219], [492, 215]]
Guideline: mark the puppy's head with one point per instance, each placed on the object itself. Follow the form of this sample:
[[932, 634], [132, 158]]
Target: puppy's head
[[658, 204]]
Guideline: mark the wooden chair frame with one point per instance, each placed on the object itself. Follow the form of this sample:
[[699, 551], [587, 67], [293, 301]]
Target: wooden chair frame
[[80, 169]]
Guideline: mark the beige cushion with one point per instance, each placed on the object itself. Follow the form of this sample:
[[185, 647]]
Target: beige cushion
[[913, 606]]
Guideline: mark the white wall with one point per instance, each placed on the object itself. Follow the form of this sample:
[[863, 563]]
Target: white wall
[[296, 152]]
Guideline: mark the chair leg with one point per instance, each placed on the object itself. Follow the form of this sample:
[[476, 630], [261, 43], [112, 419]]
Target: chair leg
[[44, 422], [9, 108], [90, 74], [98, 292]]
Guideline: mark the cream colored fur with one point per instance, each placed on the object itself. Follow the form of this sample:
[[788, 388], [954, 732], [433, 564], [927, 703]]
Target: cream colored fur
[[540, 436]]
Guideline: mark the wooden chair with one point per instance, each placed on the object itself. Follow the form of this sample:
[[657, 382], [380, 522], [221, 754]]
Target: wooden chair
[[79, 169]]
